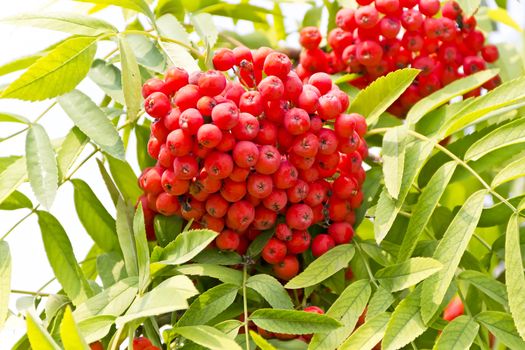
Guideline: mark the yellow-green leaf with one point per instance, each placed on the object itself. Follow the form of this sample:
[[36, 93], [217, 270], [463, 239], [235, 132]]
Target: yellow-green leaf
[[56, 73], [70, 333]]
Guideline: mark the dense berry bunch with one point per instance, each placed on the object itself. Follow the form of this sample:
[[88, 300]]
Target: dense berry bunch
[[249, 147], [385, 35]]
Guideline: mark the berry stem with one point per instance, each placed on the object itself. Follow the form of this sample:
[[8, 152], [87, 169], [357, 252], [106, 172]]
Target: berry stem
[[28, 126], [28, 292], [245, 305]]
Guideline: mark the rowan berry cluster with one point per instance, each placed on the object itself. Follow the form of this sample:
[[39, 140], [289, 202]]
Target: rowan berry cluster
[[249, 147], [381, 36]]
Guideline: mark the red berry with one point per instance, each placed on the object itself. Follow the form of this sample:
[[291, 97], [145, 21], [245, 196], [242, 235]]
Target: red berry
[[268, 161], [299, 216], [314, 309], [274, 251], [259, 185], [341, 232], [187, 97], [296, 121], [345, 19], [310, 37], [277, 64], [454, 309], [209, 135], [157, 105], [223, 59], [211, 83], [271, 88], [225, 115], [247, 127], [490, 53], [369, 53], [299, 242], [245, 154], [287, 269], [218, 165], [153, 85], [429, 7], [321, 244], [227, 240], [366, 17], [283, 232]]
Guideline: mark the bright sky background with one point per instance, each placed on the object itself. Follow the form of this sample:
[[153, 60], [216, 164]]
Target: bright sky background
[[31, 269]]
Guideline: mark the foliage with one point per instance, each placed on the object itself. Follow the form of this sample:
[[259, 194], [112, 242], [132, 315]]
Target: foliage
[[438, 220]]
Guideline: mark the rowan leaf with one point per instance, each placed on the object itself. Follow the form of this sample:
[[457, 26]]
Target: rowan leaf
[[93, 122], [70, 334], [502, 326], [271, 290], [369, 334], [186, 246], [514, 276], [41, 164], [323, 267], [5, 280], [393, 152], [449, 252], [131, 80], [405, 324], [293, 322], [389, 88], [58, 72], [408, 273], [345, 309], [458, 334], [207, 336]]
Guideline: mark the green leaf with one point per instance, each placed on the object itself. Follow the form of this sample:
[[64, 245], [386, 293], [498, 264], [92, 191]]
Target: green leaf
[[167, 228], [369, 334], [507, 94], [11, 177], [271, 290], [449, 252], [56, 73], [406, 323], [110, 268], [394, 144], [261, 342], [17, 200], [312, 17], [93, 122], [454, 89], [406, 274], [147, 53], [323, 267], [345, 309], [502, 326], [141, 244], [293, 322], [511, 172], [94, 217], [38, 336], [508, 134], [259, 242], [219, 257], [131, 80], [69, 151], [379, 303], [41, 165], [70, 333], [113, 301], [126, 239], [458, 334], [488, 285], [426, 204], [61, 258], [514, 277], [108, 78], [71, 23], [96, 327], [388, 207], [209, 304], [179, 56], [204, 26], [187, 245], [5, 280], [168, 296], [208, 337], [13, 118], [501, 15], [389, 88], [222, 273], [125, 179]]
